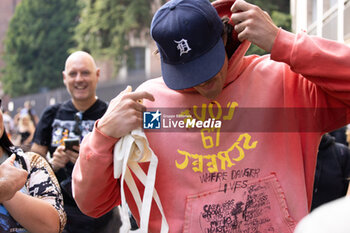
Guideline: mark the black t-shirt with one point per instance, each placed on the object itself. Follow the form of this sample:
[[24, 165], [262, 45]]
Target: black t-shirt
[[56, 123]]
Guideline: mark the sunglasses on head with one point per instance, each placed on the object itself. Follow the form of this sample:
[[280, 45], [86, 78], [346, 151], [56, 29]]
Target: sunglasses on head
[[78, 117]]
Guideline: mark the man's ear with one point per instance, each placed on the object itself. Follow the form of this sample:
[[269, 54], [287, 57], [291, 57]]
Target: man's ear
[[64, 77], [98, 73]]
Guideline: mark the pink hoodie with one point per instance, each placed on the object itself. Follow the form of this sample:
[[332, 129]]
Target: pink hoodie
[[254, 176]]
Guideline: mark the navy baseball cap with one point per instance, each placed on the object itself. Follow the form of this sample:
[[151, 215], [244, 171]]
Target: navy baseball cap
[[188, 37]]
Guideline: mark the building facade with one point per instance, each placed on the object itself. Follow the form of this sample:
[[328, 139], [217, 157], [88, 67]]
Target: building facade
[[7, 8], [326, 18]]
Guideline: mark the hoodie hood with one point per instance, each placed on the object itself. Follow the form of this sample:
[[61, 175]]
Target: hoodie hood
[[236, 61]]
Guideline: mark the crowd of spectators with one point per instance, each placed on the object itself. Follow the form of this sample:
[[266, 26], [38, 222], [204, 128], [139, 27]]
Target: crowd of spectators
[[21, 127]]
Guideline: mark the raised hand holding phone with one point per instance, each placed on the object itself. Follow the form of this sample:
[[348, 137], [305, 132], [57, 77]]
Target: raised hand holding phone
[[72, 148], [69, 143]]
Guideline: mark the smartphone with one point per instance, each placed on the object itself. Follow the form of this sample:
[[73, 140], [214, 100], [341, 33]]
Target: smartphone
[[70, 142]]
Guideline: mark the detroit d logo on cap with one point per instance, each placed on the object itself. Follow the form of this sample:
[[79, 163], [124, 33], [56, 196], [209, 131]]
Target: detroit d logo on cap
[[151, 120], [182, 45]]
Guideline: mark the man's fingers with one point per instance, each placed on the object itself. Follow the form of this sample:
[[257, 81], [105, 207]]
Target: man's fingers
[[242, 35], [267, 16], [135, 96], [239, 17], [77, 148], [60, 148], [140, 107], [61, 160], [127, 90], [59, 164], [240, 5], [139, 95], [10, 160], [72, 154], [240, 27]]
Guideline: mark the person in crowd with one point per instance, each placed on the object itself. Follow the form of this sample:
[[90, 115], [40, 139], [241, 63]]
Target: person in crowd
[[8, 124], [16, 117], [32, 203], [340, 135], [73, 119], [29, 110], [25, 131], [332, 171], [244, 158]]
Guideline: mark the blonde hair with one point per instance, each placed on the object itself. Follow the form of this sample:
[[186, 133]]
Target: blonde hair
[[25, 122]]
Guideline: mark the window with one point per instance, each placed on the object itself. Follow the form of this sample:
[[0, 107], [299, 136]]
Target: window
[[312, 12], [136, 61]]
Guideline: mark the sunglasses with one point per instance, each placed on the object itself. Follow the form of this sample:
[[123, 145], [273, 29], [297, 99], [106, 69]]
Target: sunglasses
[[78, 117]]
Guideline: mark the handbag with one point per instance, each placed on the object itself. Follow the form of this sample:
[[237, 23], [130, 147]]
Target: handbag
[[128, 152]]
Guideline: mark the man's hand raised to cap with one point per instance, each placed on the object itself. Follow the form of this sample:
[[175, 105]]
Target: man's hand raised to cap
[[253, 24], [124, 113]]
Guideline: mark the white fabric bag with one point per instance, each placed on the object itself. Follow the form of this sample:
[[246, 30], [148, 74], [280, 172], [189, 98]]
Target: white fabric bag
[[128, 152]]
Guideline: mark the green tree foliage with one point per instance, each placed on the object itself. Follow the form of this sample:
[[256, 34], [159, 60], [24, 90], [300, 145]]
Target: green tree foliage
[[38, 38], [106, 26]]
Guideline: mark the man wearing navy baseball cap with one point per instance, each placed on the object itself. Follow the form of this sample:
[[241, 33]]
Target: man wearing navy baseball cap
[[192, 50], [254, 171]]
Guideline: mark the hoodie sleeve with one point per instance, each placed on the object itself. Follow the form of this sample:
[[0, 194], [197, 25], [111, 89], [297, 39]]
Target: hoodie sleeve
[[316, 76], [324, 62], [94, 188]]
